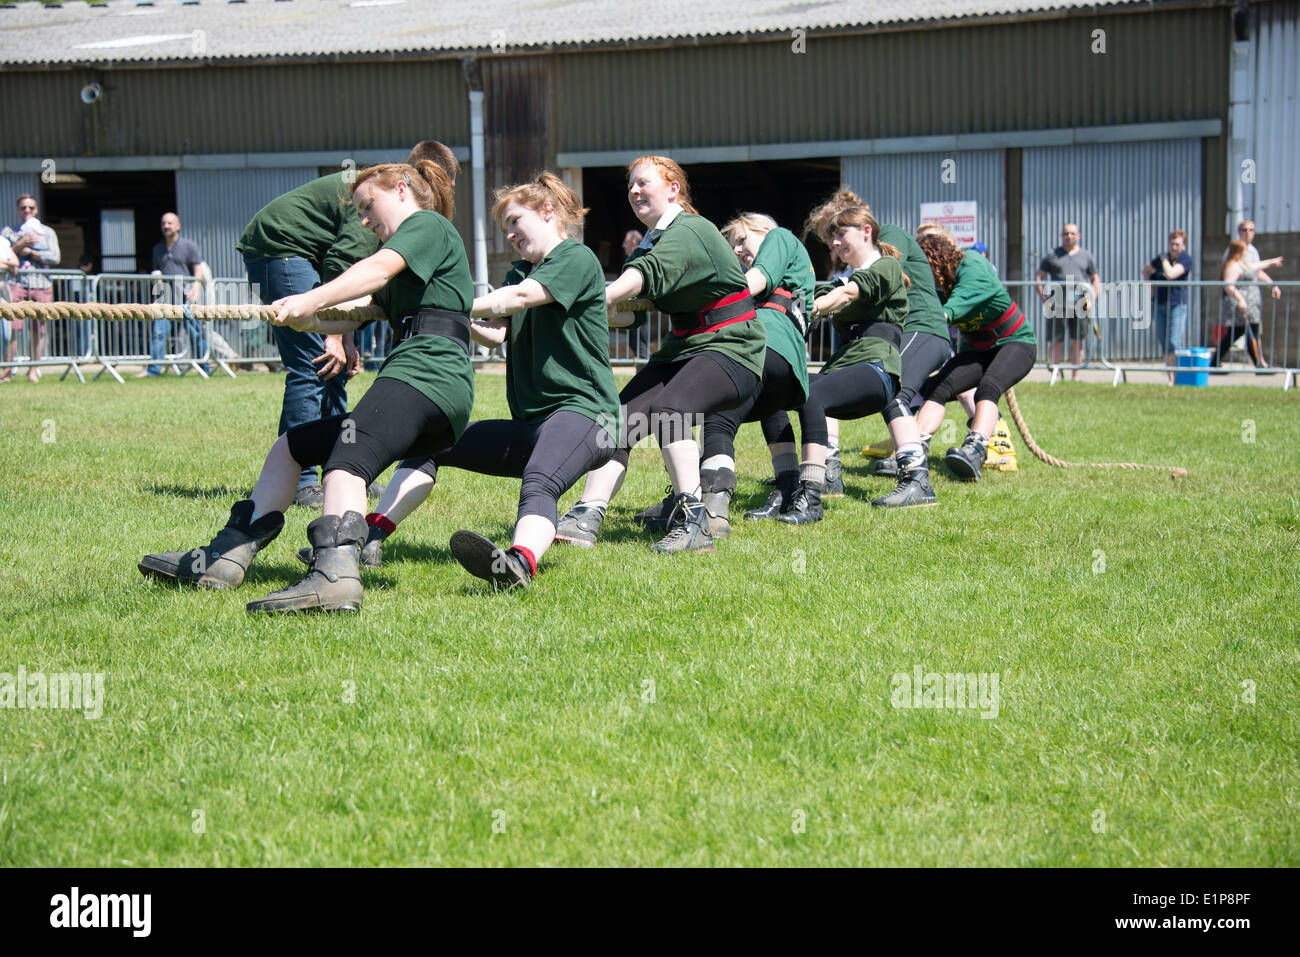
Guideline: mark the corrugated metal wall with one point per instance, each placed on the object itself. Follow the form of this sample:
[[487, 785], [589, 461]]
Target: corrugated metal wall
[[13, 185], [285, 107], [216, 205], [1125, 197], [896, 186], [516, 118], [1276, 192], [963, 79]]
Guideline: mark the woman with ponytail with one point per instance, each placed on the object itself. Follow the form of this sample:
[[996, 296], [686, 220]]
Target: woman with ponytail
[[712, 361], [418, 405], [861, 378], [550, 312], [997, 349]]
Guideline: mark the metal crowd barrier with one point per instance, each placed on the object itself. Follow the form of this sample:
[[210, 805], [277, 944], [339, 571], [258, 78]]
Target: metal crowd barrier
[[1119, 331]]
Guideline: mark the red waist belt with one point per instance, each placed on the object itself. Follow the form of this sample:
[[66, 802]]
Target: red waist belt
[[738, 307], [1007, 323], [782, 300]]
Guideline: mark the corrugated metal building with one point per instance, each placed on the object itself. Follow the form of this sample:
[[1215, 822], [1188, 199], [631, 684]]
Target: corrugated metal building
[[1129, 118]]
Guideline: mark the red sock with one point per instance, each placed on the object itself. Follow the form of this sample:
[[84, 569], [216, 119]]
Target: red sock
[[529, 557], [382, 522]]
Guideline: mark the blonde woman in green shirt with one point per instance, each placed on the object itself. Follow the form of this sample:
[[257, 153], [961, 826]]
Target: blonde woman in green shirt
[[418, 405], [711, 362]]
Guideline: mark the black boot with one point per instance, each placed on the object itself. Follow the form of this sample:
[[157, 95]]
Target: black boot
[[805, 506], [688, 528], [913, 486], [716, 488], [334, 581], [786, 483], [655, 518], [221, 563], [834, 484], [372, 554], [478, 556], [967, 462]]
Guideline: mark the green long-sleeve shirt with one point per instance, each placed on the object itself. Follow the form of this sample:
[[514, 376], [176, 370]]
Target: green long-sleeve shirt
[[315, 221], [784, 263], [924, 314]]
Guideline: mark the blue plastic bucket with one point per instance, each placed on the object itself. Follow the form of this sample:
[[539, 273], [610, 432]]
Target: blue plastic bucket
[[1193, 359]]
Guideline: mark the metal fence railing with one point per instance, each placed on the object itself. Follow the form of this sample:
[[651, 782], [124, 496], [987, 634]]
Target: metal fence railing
[[1119, 332]]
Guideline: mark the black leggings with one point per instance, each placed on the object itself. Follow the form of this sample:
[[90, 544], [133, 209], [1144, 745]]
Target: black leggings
[[780, 392], [922, 354], [666, 400], [392, 420], [1251, 331], [990, 371], [850, 392], [549, 456]]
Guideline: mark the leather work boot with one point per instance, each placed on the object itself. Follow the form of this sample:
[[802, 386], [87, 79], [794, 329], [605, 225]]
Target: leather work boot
[[786, 483], [716, 488], [913, 489], [372, 553], [834, 485], [688, 528], [886, 466], [334, 581], [482, 559], [804, 507], [655, 518], [221, 563], [580, 525], [967, 461]]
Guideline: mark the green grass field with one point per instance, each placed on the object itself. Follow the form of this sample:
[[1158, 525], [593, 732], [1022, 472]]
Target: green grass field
[[637, 709]]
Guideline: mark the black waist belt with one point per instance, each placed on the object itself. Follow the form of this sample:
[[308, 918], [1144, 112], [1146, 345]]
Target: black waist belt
[[737, 307], [878, 330], [438, 322]]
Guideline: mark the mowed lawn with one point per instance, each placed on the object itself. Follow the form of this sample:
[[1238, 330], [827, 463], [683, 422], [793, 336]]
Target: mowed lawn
[[636, 709]]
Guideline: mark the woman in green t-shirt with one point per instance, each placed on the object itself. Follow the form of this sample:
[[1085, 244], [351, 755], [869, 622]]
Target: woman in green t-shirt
[[418, 405], [559, 385], [711, 362], [998, 349], [861, 378]]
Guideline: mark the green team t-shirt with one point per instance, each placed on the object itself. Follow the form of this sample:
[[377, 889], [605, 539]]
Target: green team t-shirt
[[924, 314], [316, 221], [979, 300], [784, 263], [436, 276], [881, 298], [558, 357], [691, 266]]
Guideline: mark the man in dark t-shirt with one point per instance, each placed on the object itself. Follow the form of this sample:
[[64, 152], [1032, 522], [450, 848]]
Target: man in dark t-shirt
[[174, 256]]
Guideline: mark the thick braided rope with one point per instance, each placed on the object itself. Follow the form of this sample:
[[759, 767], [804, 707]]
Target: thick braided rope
[[1175, 472], [158, 310]]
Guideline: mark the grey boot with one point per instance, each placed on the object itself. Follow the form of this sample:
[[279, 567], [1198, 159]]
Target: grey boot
[[688, 528], [221, 563], [834, 484], [716, 488], [913, 488], [786, 484], [372, 555], [334, 581]]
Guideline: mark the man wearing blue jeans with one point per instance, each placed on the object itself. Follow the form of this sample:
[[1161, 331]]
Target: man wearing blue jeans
[[1168, 273], [174, 256]]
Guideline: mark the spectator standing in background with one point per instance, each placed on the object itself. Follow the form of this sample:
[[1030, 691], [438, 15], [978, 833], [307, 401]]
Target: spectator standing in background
[[1068, 307], [36, 247], [1246, 233], [1168, 273], [174, 256]]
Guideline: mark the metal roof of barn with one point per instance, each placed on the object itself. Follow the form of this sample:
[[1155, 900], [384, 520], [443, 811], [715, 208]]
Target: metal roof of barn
[[139, 32]]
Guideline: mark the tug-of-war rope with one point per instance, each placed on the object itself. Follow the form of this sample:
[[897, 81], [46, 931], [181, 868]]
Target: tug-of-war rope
[[157, 310], [128, 310]]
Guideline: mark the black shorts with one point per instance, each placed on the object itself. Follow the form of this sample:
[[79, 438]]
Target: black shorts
[[922, 353], [391, 421]]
